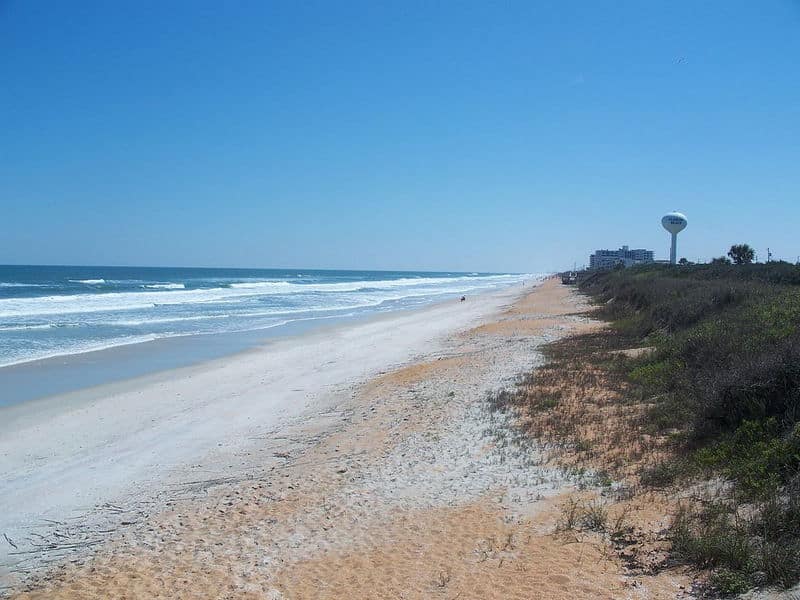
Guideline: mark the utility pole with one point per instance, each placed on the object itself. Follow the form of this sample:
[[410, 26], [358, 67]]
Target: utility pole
[[769, 255]]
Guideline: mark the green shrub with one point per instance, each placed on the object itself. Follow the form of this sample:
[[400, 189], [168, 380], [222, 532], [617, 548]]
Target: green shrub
[[655, 374], [660, 475], [758, 457], [712, 541], [779, 563], [730, 583], [595, 517], [724, 385]]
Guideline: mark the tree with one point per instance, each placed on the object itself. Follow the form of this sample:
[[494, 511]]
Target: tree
[[721, 260], [684, 261], [741, 254]]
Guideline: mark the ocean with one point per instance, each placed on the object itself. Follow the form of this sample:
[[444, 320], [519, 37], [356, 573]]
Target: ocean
[[54, 311]]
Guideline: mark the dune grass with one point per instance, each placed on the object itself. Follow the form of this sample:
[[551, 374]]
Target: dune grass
[[723, 382], [710, 402]]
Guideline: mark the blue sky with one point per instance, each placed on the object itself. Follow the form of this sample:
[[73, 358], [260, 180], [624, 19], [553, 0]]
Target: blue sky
[[399, 135]]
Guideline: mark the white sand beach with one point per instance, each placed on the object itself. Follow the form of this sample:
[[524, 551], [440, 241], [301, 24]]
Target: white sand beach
[[64, 456], [362, 461]]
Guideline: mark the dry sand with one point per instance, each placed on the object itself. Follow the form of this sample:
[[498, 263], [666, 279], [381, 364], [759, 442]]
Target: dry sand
[[385, 476]]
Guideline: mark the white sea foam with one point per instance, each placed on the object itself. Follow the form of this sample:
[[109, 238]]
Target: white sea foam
[[238, 292], [23, 327], [88, 281], [165, 309], [164, 286], [79, 348], [95, 346], [353, 286], [162, 321], [110, 302]]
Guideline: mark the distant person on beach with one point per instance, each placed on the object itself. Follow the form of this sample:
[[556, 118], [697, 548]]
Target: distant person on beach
[[463, 298]]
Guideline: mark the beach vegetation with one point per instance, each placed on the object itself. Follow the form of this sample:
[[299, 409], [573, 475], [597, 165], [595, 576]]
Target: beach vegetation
[[723, 385], [571, 514], [692, 389], [589, 516], [595, 516]]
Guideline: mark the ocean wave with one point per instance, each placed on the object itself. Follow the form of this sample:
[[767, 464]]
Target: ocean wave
[[334, 293], [79, 348], [366, 284], [108, 302], [38, 326], [96, 346], [14, 284], [88, 281], [25, 327], [244, 306], [164, 286], [162, 321]]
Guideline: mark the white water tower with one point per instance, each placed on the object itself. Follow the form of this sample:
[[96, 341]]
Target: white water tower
[[674, 222]]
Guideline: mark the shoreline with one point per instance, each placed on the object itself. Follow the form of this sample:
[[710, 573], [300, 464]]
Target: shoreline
[[153, 375], [68, 373], [401, 483], [65, 455]]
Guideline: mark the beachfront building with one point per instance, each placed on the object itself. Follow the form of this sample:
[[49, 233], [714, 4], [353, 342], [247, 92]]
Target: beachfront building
[[608, 259]]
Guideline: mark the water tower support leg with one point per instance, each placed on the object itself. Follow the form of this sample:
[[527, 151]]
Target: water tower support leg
[[673, 249]]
